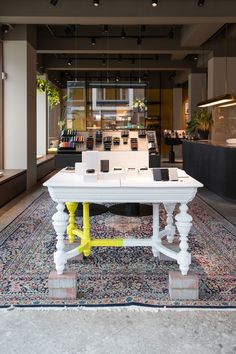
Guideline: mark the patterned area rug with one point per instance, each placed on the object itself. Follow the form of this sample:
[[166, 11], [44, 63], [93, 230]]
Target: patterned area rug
[[121, 275]]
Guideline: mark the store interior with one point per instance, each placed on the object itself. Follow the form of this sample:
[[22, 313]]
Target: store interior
[[79, 82]]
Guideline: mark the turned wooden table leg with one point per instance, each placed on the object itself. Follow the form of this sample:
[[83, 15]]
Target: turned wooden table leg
[[60, 221], [155, 226], [183, 223], [170, 228]]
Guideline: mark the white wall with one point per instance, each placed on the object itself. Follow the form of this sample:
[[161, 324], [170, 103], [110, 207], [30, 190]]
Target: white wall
[[15, 108], [41, 122], [19, 61]]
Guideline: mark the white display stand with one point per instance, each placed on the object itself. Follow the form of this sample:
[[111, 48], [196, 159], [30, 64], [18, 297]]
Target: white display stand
[[69, 187], [125, 159]]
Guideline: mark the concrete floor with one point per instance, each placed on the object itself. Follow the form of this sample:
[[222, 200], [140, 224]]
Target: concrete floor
[[117, 331]]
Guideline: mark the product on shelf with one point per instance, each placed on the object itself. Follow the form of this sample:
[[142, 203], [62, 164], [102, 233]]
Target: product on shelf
[[98, 136], [141, 133], [151, 147], [116, 140], [89, 143], [150, 137], [107, 141], [67, 145], [124, 133], [134, 143], [125, 141], [104, 165], [80, 139]]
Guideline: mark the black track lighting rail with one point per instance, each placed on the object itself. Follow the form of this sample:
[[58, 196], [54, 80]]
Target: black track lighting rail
[[169, 34]]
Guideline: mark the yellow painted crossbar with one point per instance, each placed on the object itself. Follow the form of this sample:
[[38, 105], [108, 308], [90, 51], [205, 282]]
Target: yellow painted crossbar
[[86, 242], [118, 242]]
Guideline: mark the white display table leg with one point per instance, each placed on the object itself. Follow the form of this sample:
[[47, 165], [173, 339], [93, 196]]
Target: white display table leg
[[184, 223], [155, 230], [60, 222], [170, 228]]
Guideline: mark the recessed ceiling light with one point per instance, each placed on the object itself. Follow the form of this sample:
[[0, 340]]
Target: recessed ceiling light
[[69, 62], [139, 41], [200, 3], [54, 2], [123, 34], [96, 3], [93, 41], [154, 3]]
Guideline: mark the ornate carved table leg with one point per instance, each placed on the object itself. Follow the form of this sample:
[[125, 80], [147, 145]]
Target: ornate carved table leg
[[60, 221], [155, 225], [184, 223], [71, 206], [170, 228]]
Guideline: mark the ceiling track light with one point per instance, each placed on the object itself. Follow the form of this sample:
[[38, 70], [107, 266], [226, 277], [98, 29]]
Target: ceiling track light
[[154, 3], [139, 41], [122, 34], [200, 3], [96, 3], [54, 2], [105, 29], [69, 62]]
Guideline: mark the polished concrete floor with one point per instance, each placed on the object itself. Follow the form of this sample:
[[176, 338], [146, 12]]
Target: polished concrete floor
[[123, 331], [116, 331]]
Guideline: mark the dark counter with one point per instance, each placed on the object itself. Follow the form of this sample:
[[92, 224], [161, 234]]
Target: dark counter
[[213, 164]]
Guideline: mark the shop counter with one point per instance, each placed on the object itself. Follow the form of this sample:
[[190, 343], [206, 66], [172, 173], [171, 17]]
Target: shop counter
[[213, 164]]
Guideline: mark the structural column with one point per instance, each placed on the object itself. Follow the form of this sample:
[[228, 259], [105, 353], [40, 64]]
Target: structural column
[[196, 90], [19, 61], [178, 123], [42, 121]]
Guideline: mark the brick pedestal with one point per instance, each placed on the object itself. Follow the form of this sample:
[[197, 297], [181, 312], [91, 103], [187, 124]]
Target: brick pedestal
[[183, 287], [62, 286], [70, 246], [174, 246]]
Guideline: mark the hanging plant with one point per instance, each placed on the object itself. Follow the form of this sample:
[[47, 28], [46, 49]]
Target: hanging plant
[[52, 93]]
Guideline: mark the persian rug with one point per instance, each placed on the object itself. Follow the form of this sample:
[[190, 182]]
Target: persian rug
[[116, 276]]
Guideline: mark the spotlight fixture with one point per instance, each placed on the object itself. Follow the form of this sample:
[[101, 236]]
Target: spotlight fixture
[[200, 3], [105, 29], [5, 29], [139, 40], [96, 3], [123, 34], [54, 2], [171, 33], [93, 41], [154, 3], [117, 78], [195, 57], [69, 62]]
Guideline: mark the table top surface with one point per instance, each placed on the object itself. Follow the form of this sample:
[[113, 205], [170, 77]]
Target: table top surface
[[69, 179]]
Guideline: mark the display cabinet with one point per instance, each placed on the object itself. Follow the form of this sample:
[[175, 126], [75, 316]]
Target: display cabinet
[[73, 142]]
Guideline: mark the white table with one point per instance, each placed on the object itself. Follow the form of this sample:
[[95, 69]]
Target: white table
[[68, 187]]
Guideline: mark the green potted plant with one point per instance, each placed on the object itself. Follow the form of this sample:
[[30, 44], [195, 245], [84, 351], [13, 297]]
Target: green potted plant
[[200, 124], [52, 93]]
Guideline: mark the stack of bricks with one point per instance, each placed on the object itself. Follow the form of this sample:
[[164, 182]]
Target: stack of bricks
[[183, 287], [63, 286]]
